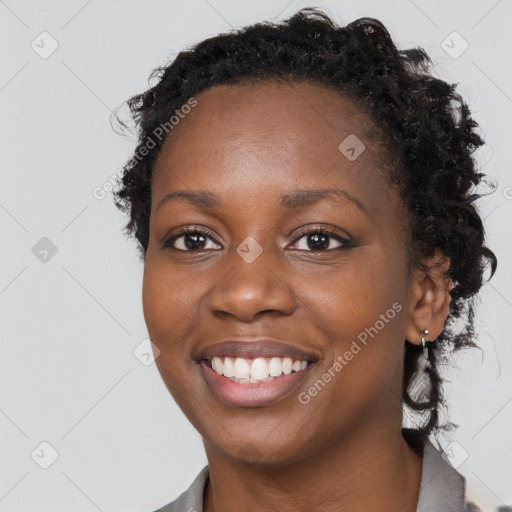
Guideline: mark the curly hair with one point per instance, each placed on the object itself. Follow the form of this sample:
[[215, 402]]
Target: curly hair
[[425, 131]]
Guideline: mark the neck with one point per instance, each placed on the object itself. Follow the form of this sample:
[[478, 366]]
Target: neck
[[370, 471]]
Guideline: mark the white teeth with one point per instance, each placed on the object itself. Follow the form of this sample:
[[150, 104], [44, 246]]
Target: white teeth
[[228, 370], [287, 365], [242, 369], [275, 367], [217, 364], [260, 369]]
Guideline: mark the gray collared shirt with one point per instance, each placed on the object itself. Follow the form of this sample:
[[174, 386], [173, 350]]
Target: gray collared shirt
[[442, 488]]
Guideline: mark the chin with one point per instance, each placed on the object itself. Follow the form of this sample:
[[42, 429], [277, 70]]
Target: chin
[[259, 452]]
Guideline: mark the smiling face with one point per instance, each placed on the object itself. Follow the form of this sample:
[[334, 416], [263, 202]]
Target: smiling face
[[278, 257]]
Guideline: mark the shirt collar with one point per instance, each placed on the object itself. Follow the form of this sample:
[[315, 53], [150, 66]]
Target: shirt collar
[[442, 487]]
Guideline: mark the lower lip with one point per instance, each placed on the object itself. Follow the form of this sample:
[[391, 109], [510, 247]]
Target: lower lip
[[255, 394]]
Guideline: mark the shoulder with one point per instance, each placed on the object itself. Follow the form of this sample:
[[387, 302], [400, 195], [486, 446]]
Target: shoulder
[[192, 499]]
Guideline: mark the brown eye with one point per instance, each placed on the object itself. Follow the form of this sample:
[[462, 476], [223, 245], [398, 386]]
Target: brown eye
[[321, 240], [190, 240]]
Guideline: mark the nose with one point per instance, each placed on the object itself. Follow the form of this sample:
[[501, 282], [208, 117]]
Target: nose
[[249, 289]]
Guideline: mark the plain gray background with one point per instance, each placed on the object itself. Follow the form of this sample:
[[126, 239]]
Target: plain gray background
[[72, 319]]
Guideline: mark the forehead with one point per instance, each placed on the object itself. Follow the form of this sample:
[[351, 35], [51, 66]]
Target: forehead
[[290, 133]]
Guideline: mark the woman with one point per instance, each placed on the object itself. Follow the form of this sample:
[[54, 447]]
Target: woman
[[302, 194]]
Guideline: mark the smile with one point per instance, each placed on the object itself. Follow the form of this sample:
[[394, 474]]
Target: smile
[[260, 369], [254, 382]]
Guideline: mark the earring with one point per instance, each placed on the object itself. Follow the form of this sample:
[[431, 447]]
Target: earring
[[424, 340]]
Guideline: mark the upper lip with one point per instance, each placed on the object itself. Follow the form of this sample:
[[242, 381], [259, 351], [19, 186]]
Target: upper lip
[[249, 349]]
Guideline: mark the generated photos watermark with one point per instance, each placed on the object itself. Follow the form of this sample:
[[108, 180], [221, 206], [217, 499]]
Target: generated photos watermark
[[305, 397], [158, 134]]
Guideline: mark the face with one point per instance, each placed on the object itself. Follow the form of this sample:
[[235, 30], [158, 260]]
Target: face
[[270, 255]]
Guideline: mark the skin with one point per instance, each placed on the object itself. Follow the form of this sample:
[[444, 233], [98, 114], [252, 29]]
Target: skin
[[343, 450]]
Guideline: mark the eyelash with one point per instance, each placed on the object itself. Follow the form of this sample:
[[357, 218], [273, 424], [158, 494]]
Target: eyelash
[[346, 242]]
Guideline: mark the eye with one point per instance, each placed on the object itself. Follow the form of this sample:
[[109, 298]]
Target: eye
[[191, 239], [321, 240], [312, 240]]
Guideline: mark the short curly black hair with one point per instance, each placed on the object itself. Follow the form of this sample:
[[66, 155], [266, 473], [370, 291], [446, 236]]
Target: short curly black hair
[[426, 133]]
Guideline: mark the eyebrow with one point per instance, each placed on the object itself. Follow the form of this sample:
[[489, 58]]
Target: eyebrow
[[298, 198]]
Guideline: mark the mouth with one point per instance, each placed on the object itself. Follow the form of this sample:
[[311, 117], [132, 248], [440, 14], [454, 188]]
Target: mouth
[[254, 373], [254, 370]]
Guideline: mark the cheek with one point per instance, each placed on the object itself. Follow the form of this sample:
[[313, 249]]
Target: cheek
[[170, 309], [360, 310], [171, 300], [356, 293], [359, 314]]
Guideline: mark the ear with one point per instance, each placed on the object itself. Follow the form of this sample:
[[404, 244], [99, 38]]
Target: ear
[[429, 298]]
